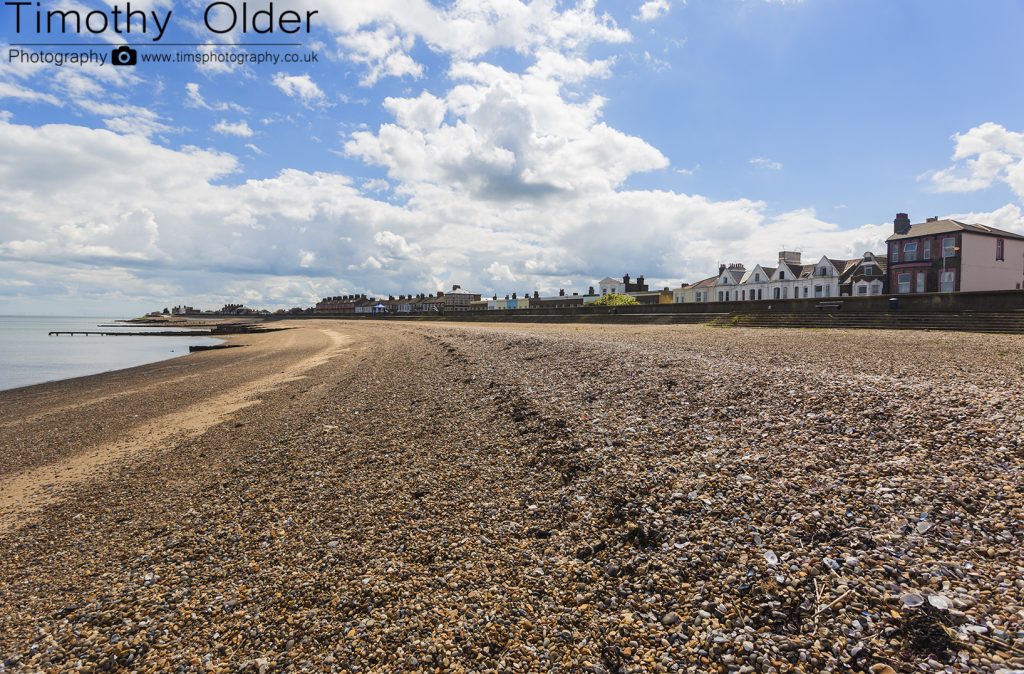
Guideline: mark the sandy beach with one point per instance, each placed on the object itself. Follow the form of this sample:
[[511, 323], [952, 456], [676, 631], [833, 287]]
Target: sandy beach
[[366, 496]]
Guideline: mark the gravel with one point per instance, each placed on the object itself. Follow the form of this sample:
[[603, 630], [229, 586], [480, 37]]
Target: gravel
[[557, 498]]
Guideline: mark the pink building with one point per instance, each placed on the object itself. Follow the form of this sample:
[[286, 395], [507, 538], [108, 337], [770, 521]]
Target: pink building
[[950, 256]]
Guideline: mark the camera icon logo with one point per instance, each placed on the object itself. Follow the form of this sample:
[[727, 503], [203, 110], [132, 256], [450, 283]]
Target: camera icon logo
[[124, 56]]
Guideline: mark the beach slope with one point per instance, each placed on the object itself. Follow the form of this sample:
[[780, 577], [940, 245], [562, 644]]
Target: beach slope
[[377, 496]]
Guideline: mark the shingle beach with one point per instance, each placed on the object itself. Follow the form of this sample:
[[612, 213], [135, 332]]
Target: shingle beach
[[372, 496]]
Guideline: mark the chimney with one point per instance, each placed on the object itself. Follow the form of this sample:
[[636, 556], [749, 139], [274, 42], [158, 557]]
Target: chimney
[[590, 291], [934, 218], [495, 295], [901, 225], [561, 292], [456, 287], [721, 267], [536, 295], [625, 279], [514, 296], [440, 294]]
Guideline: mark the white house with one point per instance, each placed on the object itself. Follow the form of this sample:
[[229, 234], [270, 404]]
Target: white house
[[755, 283], [727, 287]]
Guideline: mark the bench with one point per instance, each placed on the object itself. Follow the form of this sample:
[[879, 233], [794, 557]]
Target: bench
[[830, 305]]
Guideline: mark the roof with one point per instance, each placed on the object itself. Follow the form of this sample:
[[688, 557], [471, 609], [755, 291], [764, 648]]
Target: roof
[[948, 226], [706, 283], [735, 274], [609, 279]]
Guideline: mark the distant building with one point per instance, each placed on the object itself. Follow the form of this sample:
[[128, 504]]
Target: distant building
[[458, 299], [561, 300], [236, 310], [867, 277], [695, 292], [610, 286], [727, 287], [951, 256]]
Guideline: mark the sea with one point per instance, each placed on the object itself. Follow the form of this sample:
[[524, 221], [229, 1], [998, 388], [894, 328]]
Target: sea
[[29, 356]]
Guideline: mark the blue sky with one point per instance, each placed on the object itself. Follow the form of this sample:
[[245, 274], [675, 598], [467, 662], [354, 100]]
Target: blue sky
[[503, 145]]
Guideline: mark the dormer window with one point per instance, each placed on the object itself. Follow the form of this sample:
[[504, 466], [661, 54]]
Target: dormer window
[[782, 276], [757, 278]]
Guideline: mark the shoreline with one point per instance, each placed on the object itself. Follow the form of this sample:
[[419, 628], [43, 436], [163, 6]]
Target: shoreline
[[183, 335], [98, 438]]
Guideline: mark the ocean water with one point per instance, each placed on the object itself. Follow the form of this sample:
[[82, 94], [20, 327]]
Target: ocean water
[[29, 356]]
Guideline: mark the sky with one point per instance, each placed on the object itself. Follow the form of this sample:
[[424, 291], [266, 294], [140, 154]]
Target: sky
[[503, 145]]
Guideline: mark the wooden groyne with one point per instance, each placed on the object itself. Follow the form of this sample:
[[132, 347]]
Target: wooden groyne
[[216, 331]]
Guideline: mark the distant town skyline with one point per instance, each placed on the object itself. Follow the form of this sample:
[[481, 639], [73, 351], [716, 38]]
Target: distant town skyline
[[512, 147]]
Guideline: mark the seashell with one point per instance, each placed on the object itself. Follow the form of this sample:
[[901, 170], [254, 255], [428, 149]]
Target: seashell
[[911, 600]]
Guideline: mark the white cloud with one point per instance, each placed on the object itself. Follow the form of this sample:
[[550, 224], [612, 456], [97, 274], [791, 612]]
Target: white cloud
[[376, 185], [299, 86], [653, 9], [194, 99], [255, 149], [381, 36], [986, 154], [766, 163], [127, 119], [23, 93], [382, 52], [240, 129], [511, 137]]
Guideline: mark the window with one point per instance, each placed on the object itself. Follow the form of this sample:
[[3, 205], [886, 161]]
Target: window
[[999, 250], [818, 291], [782, 276], [758, 293], [910, 251], [894, 252], [927, 250], [948, 284], [903, 281], [806, 289], [922, 281], [948, 247], [757, 278], [777, 293], [719, 295], [743, 295], [862, 289], [823, 272]]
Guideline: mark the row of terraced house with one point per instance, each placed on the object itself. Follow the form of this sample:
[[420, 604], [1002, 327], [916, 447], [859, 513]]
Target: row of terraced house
[[938, 255]]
